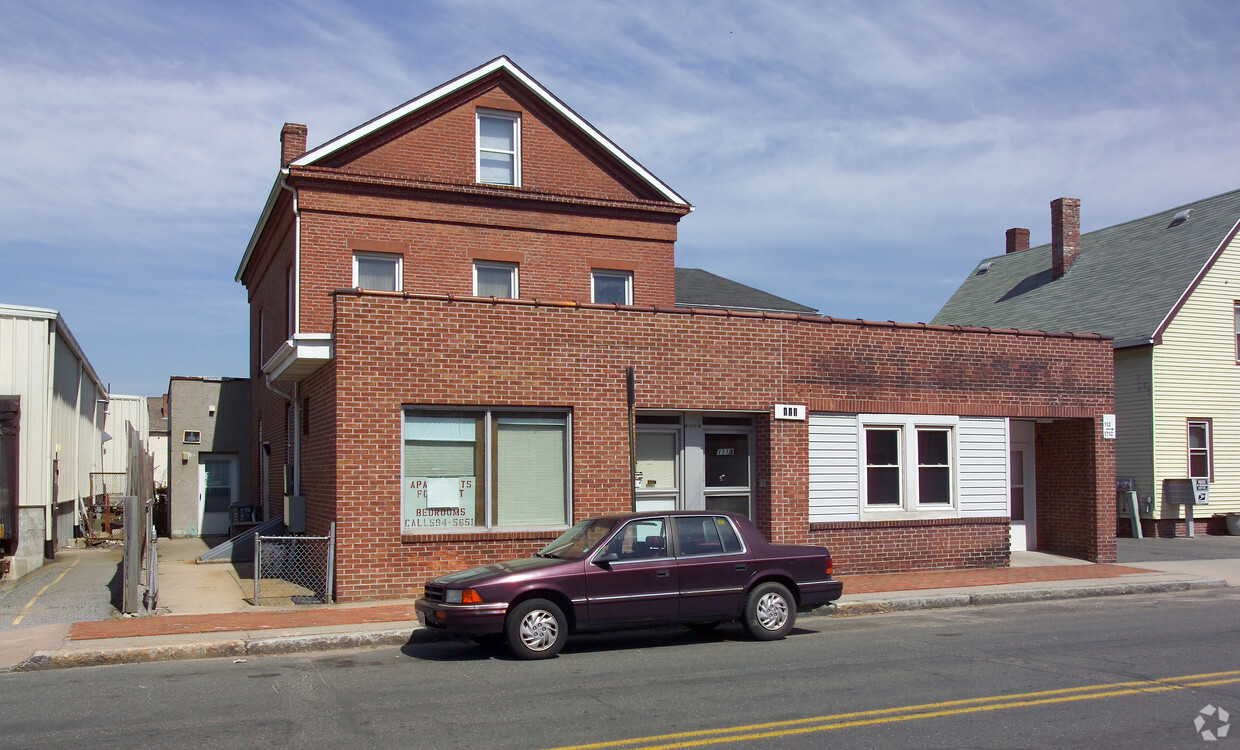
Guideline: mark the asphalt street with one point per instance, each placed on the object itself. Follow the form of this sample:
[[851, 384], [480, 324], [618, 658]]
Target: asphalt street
[[1133, 672]]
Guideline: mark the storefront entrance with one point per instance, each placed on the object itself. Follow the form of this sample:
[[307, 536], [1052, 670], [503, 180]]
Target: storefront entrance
[[695, 461]]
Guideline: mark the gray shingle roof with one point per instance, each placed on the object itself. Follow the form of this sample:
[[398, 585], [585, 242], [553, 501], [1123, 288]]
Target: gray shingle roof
[[1125, 282], [698, 288]]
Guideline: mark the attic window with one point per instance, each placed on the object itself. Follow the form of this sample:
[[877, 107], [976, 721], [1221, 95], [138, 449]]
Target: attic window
[[499, 147]]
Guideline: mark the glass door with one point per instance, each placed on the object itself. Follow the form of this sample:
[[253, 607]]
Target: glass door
[[729, 471]]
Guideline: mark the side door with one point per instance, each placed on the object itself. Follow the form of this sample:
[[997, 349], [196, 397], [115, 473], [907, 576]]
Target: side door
[[632, 579], [714, 567]]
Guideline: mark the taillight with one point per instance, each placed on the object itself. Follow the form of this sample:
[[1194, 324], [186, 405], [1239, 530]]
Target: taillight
[[830, 568]]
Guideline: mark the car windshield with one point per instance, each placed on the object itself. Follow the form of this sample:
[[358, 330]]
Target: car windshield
[[579, 540]]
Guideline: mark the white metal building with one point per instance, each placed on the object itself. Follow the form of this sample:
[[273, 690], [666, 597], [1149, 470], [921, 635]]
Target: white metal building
[[52, 412]]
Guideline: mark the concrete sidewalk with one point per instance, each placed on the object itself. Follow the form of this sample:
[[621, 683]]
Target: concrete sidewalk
[[208, 614]]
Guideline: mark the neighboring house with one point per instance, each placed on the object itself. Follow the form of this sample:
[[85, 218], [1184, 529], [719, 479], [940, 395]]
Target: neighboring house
[[208, 454], [52, 421], [447, 304], [1162, 288]]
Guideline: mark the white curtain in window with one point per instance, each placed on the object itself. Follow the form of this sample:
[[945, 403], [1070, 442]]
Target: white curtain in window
[[439, 446], [530, 472], [376, 273]]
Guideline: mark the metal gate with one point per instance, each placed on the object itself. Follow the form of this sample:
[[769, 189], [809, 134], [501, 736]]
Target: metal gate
[[294, 569]]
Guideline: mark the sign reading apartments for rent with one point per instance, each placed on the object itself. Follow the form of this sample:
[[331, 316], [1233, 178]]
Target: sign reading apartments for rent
[[437, 503]]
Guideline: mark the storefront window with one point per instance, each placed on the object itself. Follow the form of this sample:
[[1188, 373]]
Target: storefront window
[[444, 484]]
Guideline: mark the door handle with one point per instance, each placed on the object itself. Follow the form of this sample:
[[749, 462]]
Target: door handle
[[742, 566], [663, 573]]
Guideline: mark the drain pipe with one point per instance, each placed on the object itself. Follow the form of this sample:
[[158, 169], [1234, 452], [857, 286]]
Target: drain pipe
[[295, 320]]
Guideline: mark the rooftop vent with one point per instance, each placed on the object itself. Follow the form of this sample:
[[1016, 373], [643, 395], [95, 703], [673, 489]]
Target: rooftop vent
[[1181, 217], [983, 268]]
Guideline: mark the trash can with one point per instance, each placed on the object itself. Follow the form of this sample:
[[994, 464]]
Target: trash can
[[1233, 524]]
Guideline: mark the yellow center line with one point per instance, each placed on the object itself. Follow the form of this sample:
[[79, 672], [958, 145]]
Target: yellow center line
[[875, 717], [42, 591]]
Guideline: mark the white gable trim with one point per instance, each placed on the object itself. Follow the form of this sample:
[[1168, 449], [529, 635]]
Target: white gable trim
[[1166, 321], [451, 87]]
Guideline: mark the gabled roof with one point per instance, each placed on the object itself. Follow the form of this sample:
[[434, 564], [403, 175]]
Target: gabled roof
[[1127, 283], [501, 63], [698, 288]]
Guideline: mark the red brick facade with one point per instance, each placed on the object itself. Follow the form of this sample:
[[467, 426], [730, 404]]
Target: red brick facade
[[409, 188]]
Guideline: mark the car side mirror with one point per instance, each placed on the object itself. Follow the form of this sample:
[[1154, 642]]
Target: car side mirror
[[604, 559]]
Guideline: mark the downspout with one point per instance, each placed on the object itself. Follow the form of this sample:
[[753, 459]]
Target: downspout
[[296, 303]]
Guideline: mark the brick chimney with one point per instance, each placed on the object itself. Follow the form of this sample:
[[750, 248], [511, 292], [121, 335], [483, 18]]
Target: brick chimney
[[292, 142], [1065, 234], [1017, 240]]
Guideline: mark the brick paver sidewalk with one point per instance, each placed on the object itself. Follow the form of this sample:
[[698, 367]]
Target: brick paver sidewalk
[[323, 616]]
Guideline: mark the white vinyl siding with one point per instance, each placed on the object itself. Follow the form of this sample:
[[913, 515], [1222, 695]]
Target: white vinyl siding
[[982, 447], [1195, 376], [835, 456]]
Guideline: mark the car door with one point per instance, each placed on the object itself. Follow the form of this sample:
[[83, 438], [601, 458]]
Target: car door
[[713, 565], [640, 585]]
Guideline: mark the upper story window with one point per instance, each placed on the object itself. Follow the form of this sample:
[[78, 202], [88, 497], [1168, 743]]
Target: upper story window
[[493, 279], [499, 147], [611, 287], [378, 271]]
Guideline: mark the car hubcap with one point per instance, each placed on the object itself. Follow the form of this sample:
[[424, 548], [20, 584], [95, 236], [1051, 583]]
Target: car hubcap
[[539, 630], [772, 611]]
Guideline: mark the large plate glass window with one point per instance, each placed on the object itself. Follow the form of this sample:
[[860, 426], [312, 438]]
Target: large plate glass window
[[484, 469], [499, 148]]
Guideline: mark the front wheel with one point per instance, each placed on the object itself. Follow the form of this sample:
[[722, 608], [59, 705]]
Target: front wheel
[[770, 612], [536, 629]]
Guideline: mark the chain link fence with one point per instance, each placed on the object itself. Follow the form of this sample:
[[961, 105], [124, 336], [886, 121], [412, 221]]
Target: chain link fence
[[294, 569]]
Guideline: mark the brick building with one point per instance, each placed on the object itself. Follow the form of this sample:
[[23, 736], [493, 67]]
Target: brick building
[[445, 302]]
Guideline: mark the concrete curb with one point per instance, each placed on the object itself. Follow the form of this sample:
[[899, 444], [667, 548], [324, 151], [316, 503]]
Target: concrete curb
[[941, 601], [236, 648], [272, 645]]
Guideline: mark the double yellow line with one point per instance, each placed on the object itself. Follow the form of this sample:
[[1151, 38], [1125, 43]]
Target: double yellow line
[[880, 716]]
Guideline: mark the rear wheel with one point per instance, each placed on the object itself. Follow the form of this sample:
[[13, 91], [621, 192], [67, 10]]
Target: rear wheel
[[536, 629], [770, 612]]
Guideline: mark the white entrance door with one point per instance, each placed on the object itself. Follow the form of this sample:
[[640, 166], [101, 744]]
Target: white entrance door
[[217, 490], [1023, 498]]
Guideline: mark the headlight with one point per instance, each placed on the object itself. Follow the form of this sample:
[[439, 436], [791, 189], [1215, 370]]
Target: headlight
[[462, 596]]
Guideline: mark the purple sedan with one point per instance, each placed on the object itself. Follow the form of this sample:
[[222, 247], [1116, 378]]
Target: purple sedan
[[634, 570]]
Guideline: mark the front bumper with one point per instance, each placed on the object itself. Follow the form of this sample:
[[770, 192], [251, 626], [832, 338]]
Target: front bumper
[[462, 619]]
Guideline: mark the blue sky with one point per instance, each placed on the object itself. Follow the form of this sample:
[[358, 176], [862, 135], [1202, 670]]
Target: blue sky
[[856, 157]]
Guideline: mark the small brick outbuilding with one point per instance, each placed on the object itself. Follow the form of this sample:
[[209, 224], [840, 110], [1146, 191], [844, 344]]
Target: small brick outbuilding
[[445, 304]]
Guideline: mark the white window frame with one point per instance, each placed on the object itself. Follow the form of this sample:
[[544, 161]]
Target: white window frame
[[365, 255], [910, 505], [513, 117], [626, 276], [512, 268]]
